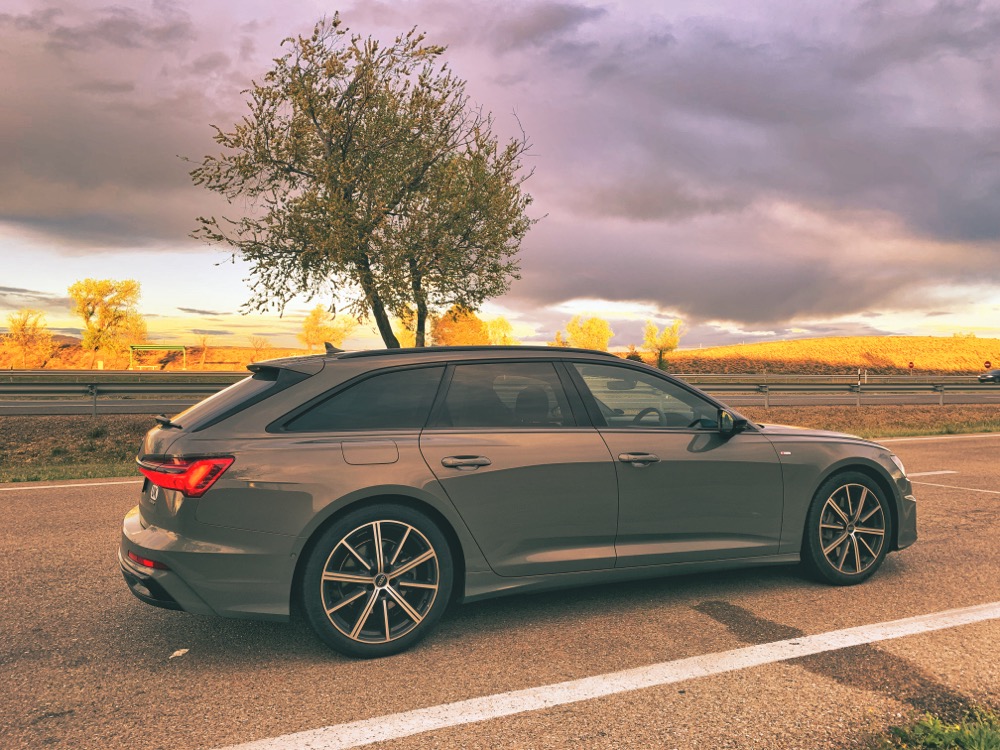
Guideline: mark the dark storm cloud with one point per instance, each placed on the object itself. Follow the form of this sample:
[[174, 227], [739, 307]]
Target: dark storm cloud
[[195, 311], [105, 102], [727, 167], [210, 332]]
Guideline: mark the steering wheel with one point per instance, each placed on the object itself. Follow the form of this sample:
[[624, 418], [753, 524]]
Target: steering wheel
[[660, 416]]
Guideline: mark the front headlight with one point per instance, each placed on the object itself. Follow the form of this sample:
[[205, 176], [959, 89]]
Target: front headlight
[[899, 464]]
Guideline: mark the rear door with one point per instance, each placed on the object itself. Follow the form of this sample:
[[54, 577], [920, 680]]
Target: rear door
[[533, 481]]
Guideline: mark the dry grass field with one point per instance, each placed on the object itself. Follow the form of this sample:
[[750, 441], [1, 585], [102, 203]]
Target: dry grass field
[[879, 355]]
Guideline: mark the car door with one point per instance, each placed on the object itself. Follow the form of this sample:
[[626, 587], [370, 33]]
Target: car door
[[533, 481], [686, 492]]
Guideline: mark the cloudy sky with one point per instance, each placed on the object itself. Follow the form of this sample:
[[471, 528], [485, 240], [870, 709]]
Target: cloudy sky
[[763, 170]]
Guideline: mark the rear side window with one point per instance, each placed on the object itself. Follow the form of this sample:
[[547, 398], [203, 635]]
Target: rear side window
[[237, 397], [395, 400], [506, 394]]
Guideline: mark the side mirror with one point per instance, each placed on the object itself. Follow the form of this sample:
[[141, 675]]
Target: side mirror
[[729, 424]]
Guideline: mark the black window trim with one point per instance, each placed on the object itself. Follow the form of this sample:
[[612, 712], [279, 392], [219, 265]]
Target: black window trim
[[279, 425]]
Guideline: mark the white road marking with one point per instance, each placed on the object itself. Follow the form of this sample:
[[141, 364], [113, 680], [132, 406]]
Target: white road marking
[[970, 436], [952, 487], [62, 486], [395, 726], [928, 473]]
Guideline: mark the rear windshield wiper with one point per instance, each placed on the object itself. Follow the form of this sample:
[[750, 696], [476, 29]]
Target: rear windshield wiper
[[164, 421]]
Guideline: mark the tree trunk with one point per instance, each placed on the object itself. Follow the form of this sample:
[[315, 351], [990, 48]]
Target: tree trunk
[[416, 283], [375, 302]]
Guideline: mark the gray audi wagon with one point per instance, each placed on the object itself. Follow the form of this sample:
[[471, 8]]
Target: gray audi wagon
[[370, 490]]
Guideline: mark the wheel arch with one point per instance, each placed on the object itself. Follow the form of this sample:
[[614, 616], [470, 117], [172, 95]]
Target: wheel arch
[[386, 497]]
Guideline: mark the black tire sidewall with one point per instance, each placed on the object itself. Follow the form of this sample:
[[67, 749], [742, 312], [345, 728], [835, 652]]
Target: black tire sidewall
[[812, 552], [312, 604]]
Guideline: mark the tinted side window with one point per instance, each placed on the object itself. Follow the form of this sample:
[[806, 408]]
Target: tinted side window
[[629, 398], [506, 394], [393, 400]]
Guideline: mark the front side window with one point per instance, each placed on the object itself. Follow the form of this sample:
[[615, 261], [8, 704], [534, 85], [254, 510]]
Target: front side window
[[395, 400], [629, 398], [506, 394]]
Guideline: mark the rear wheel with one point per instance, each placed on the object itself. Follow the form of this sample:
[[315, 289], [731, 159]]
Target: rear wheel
[[377, 581], [848, 529]]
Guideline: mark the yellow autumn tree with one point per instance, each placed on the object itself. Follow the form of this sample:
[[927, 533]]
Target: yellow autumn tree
[[28, 336], [501, 332], [110, 314], [320, 327], [460, 327], [585, 333], [658, 342]]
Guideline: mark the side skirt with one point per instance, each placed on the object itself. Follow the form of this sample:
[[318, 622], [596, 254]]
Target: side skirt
[[486, 585]]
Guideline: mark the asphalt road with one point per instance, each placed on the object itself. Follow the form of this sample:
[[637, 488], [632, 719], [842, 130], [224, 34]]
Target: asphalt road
[[173, 406], [85, 665]]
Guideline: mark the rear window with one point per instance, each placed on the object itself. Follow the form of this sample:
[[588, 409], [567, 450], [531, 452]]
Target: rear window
[[237, 397], [395, 400]]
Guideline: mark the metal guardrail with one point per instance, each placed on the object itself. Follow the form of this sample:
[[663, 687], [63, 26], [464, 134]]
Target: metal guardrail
[[801, 384], [93, 390]]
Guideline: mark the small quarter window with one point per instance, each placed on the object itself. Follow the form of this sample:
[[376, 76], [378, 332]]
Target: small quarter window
[[395, 400]]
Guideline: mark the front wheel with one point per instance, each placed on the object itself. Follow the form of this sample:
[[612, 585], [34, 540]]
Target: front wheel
[[848, 529], [377, 581]]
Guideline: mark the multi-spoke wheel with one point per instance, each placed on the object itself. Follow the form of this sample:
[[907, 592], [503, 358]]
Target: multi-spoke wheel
[[848, 529], [377, 581]]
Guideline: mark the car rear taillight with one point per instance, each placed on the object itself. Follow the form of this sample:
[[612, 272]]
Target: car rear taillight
[[146, 562], [191, 476]]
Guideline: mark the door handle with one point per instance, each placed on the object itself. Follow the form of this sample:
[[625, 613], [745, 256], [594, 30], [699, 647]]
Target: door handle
[[638, 459], [465, 463]]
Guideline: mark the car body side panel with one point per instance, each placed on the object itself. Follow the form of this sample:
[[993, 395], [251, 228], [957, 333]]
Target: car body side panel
[[547, 502], [708, 497]]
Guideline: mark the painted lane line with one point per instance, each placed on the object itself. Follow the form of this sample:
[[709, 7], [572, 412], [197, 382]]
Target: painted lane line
[[63, 486], [952, 487], [971, 436], [928, 473], [395, 726]]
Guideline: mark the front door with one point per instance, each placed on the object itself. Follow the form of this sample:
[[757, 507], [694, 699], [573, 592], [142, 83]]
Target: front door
[[686, 492]]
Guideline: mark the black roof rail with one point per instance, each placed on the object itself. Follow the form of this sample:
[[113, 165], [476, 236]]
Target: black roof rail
[[435, 349]]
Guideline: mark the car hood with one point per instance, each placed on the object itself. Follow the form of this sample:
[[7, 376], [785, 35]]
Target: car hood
[[782, 430]]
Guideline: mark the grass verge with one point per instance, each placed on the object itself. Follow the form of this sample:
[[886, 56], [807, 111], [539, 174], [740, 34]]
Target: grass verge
[[978, 730], [45, 448]]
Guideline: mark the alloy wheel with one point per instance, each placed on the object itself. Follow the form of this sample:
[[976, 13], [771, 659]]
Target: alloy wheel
[[852, 529], [380, 581]]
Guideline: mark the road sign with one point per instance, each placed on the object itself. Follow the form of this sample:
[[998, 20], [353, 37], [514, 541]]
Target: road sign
[[911, 365], [987, 364]]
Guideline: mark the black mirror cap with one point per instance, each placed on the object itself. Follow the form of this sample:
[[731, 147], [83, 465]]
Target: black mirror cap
[[729, 424]]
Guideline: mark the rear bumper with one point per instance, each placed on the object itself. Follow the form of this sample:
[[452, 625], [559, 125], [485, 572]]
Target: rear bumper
[[251, 579]]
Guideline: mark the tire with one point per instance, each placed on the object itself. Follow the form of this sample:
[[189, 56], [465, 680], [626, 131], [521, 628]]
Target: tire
[[367, 610], [848, 529]]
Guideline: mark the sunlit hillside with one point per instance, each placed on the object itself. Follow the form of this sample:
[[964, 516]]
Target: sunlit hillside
[[876, 354], [821, 356]]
